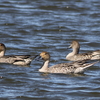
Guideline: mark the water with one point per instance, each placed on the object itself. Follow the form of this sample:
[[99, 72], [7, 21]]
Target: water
[[33, 26]]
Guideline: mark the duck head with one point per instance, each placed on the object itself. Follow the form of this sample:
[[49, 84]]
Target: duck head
[[45, 56], [2, 49], [74, 45]]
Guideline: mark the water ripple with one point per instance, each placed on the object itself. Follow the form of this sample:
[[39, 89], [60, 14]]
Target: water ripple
[[30, 27]]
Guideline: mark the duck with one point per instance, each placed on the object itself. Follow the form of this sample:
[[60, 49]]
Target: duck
[[14, 59], [76, 56], [77, 67]]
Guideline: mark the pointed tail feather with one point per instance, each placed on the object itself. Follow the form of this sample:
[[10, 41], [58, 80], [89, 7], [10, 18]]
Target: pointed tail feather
[[85, 66], [33, 57], [90, 64]]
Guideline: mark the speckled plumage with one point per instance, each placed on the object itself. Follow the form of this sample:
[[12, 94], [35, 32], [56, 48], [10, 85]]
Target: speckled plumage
[[14, 59], [65, 68], [75, 56]]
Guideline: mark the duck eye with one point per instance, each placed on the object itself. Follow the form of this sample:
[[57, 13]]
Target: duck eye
[[45, 54], [1, 44]]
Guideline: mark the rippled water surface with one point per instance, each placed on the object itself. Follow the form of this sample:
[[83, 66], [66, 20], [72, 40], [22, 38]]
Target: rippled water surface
[[33, 26]]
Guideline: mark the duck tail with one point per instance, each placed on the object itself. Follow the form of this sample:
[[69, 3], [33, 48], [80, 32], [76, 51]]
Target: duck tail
[[33, 57], [85, 66], [89, 64]]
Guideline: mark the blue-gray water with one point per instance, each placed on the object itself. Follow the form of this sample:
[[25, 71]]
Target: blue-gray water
[[33, 26]]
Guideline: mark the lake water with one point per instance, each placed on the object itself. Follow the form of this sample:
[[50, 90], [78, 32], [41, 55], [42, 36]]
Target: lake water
[[33, 26]]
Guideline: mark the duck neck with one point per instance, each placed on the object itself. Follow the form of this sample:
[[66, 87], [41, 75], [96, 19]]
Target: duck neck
[[45, 66], [75, 51], [2, 53]]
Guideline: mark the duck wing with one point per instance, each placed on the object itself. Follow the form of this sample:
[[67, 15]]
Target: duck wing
[[17, 56], [93, 55], [74, 67]]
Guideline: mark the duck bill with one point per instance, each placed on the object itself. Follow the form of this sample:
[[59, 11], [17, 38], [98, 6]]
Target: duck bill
[[38, 58], [69, 47]]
